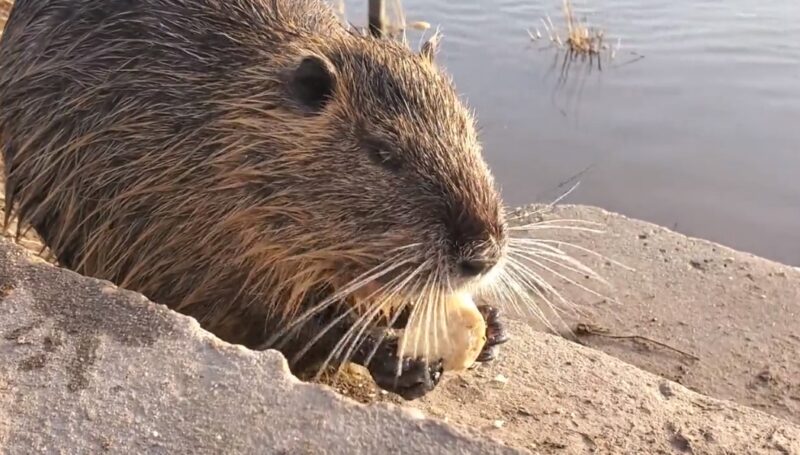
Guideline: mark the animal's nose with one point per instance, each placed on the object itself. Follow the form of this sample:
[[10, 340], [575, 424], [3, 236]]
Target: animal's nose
[[476, 242], [477, 265]]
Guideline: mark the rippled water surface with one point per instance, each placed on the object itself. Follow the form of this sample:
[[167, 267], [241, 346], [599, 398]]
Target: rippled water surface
[[701, 135]]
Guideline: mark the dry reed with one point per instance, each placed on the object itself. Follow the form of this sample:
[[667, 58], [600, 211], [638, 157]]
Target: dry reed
[[582, 40]]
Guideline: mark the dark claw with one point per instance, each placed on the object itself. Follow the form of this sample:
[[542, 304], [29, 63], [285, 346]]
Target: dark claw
[[488, 354], [415, 379], [495, 333]]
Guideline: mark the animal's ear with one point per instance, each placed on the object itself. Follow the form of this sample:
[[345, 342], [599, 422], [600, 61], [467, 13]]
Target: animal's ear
[[431, 47], [312, 82]]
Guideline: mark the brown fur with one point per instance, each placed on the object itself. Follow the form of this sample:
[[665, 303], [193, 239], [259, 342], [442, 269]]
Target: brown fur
[[156, 144]]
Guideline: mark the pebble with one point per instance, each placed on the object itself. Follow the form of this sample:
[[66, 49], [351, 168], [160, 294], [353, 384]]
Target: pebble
[[415, 413], [500, 379], [498, 423]]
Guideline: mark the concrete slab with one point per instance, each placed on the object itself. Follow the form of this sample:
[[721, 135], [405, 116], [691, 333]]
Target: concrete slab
[[89, 368]]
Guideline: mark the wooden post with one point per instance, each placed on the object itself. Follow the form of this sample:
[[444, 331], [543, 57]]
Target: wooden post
[[377, 17]]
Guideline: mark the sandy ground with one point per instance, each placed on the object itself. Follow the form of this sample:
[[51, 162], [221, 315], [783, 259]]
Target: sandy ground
[[721, 322]]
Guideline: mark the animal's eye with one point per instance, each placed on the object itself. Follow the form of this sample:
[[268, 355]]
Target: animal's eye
[[383, 155]]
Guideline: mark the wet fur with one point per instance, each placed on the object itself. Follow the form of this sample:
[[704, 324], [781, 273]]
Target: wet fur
[[157, 144]]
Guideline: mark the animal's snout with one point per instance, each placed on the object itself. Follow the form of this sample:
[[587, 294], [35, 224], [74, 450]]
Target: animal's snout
[[477, 239], [477, 265], [476, 248]]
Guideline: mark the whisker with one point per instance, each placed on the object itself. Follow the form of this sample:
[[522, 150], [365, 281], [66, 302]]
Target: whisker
[[563, 195], [416, 320], [556, 310], [555, 227], [428, 303], [432, 304], [431, 331], [569, 263], [413, 322], [510, 286], [563, 260], [529, 283], [534, 260], [532, 279], [561, 221], [399, 312], [515, 292], [566, 193], [356, 284], [364, 321], [501, 288], [373, 313], [360, 326], [440, 315], [577, 247], [332, 324]]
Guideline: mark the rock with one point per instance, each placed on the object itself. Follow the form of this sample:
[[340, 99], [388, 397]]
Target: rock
[[500, 379], [130, 376], [90, 368]]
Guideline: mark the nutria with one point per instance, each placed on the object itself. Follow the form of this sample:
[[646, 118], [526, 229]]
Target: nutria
[[254, 164]]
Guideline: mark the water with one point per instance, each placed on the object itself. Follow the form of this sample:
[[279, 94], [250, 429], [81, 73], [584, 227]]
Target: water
[[702, 135]]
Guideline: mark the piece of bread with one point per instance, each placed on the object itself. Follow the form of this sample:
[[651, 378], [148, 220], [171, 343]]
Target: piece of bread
[[458, 341]]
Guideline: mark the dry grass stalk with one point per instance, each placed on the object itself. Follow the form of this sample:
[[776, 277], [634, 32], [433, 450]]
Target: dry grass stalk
[[582, 41], [580, 37]]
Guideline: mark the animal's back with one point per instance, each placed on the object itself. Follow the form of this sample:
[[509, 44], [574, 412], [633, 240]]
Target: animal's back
[[115, 122]]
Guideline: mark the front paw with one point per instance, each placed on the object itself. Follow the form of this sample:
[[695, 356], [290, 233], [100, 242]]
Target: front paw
[[495, 333], [415, 378]]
